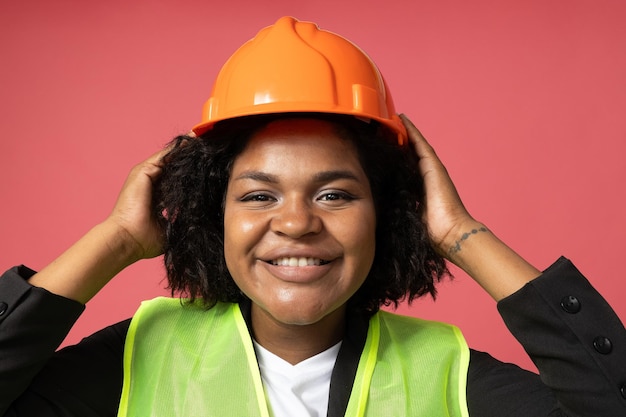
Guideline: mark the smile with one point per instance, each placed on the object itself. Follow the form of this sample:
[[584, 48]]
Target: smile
[[298, 261]]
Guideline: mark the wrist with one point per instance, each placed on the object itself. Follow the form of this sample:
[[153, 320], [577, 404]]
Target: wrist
[[461, 238], [122, 249], [88, 265], [458, 238], [489, 261]]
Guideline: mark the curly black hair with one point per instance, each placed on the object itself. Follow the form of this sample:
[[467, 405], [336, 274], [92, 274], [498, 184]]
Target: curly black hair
[[189, 202]]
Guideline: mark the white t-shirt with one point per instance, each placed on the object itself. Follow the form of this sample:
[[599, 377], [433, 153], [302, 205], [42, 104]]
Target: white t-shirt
[[297, 390]]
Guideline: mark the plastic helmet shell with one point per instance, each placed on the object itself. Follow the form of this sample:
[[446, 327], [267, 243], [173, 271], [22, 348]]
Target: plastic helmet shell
[[294, 66]]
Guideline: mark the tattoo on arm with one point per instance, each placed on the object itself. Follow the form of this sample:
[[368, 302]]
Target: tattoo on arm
[[457, 245]]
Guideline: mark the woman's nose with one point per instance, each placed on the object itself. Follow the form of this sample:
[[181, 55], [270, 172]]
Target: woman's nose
[[295, 218]]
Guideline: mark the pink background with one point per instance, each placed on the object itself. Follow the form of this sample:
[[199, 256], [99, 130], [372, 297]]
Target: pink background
[[524, 101]]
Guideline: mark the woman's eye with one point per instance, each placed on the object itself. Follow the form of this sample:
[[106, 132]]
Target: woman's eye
[[257, 197], [334, 196]]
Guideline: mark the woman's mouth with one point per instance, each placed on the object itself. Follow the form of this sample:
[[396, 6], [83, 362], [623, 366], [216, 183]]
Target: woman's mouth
[[298, 261]]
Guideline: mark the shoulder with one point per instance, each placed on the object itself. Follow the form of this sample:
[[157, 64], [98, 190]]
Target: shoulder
[[412, 324], [427, 334], [165, 312]]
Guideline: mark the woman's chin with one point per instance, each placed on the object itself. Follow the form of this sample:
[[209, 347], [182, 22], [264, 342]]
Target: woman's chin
[[302, 314]]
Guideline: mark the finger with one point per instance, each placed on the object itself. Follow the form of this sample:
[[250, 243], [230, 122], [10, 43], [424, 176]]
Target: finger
[[156, 159], [420, 144], [152, 166], [160, 158]]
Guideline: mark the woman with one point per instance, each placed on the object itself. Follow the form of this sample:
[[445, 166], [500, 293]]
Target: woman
[[288, 226]]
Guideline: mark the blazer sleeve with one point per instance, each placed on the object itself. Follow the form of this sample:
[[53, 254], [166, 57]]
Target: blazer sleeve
[[575, 339], [28, 338], [82, 380]]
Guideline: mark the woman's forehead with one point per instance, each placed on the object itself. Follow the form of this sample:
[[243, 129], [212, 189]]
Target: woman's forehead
[[296, 145]]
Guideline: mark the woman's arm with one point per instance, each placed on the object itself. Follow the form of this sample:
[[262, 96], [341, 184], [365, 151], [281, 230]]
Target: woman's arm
[[129, 233], [41, 307], [457, 236], [571, 333]]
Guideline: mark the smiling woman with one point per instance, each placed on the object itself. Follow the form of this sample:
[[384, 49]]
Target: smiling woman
[[286, 224], [298, 191], [197, 176]]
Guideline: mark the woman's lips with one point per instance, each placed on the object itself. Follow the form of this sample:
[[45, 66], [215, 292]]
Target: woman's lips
[[303, 270], [297, 261]]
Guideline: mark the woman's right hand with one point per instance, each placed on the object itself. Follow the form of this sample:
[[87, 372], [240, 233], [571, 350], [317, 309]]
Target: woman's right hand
[[132, 216], [128, 234]]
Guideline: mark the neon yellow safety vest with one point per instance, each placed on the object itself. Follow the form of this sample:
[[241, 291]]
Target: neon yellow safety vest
[[183, 361]]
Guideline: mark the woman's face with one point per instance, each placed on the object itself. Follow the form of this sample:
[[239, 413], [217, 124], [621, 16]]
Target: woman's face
[[299, 221]]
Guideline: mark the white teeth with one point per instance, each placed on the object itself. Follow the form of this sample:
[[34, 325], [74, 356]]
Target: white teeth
[[293, 261]]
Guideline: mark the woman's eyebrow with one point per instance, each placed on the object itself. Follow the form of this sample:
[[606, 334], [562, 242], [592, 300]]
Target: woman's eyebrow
[[328, 176], [257, 176], [320, 177]]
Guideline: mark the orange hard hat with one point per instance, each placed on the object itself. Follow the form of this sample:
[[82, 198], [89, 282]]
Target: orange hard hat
[[294, 66]]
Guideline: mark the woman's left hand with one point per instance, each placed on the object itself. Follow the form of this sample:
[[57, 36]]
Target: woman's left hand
[[456, 235], [444, 212]]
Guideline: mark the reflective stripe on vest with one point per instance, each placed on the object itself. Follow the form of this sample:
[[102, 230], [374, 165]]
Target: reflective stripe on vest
[[181, 360]]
